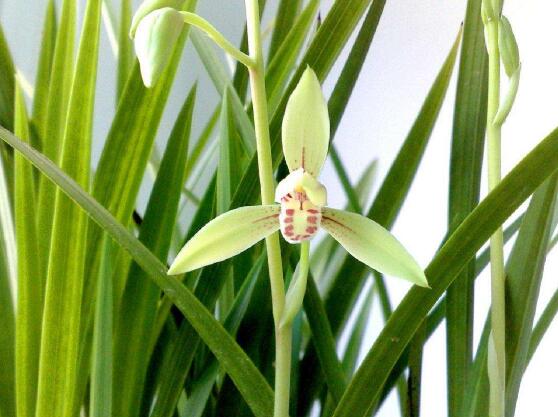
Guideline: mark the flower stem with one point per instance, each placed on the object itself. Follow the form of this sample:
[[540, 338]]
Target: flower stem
[[283, 335], [206, 27], [497, 366]]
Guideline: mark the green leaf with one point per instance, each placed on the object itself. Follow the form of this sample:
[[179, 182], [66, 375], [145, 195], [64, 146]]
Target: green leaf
[[351, 70], [58, 365], [524, 272], [324, 341], [437, 315], [138, 308], [356, 338], [100, 404], [224, 174], [44, 70], [287, 11], [442, 270], [121, 169], [7, 84], [201, 387], [30, 296], [125, 53], [60, 83], [7, 295], [544, 322], [465, 177], [236, 363], [7, 88], [284, 59]]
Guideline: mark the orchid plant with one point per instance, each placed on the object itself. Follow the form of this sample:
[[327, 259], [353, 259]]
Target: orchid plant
[[94, 321]]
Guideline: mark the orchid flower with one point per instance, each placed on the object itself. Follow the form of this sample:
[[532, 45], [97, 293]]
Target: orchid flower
[[301, 203]]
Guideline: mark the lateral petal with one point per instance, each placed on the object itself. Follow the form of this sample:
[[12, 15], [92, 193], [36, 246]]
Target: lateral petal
[[226, 236], [373, 245]]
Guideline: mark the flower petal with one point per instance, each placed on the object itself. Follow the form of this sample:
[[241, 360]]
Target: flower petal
[[315, 190], [154, 42], [306, 126], [288, 184], [226, 236], [373, 245]]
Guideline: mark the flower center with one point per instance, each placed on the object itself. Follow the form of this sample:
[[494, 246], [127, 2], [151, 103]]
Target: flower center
[[299, 217]]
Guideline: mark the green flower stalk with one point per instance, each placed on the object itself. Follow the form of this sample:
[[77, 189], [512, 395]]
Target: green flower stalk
[[502, 48]]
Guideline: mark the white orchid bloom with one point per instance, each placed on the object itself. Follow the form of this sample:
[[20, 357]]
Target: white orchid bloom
[[302, 199]]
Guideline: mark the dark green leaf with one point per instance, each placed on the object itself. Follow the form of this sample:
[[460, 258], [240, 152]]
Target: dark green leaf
[[465, 178], [138, 309]]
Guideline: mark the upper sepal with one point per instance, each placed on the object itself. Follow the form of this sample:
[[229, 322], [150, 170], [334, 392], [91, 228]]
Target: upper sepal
[[154, 42], [373, 245], [305, 129], [225, 236]]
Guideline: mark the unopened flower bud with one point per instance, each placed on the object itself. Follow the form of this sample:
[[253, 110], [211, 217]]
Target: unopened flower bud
[[149, 6], [509, 51], [154, 42]]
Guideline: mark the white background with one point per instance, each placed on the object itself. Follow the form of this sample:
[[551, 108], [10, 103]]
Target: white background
[[411, 43]]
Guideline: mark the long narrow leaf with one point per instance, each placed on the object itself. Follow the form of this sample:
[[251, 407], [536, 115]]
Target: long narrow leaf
[[55, 117], [100, 404], [30, 295], [465, 177], [44, 69], [58, 365], [124, 46], [524, 272], [443, 269], [249, 381], [7, 310], [139, 302]]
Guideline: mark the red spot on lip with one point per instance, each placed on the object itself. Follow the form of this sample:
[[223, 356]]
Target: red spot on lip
[[288, 219], [313, 211], [312, 219], [289, 232], [311, 230], [306, 236], [289, 228], [289, 212]]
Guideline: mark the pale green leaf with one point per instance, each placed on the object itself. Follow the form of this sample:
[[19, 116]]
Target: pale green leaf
[[58, 365], [30, 296]]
